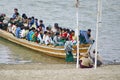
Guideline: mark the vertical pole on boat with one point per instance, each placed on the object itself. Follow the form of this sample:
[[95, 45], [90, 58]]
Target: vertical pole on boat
[[77, 7], [98, 24]]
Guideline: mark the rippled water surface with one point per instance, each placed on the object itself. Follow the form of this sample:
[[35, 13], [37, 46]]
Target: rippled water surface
[[64, 13]]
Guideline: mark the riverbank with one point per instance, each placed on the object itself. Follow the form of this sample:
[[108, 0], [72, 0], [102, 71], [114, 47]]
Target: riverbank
[[57, 72]]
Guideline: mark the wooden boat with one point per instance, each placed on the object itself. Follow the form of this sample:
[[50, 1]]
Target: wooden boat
[[50, 50]]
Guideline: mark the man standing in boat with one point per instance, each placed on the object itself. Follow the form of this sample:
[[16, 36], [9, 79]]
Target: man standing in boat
[[15, 12]]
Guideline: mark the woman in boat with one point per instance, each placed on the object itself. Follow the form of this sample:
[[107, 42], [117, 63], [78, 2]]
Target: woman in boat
[[68, 50], [85, 61], [34, 37]]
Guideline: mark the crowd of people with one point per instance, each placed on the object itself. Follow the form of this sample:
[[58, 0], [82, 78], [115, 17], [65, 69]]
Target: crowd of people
[[32, 29]]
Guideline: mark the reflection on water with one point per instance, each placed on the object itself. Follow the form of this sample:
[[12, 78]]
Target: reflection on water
[[11, 53]]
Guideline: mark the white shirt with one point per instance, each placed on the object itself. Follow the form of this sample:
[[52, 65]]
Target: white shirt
[[13, 29], [40, 38], [48, 40], [22, 33]]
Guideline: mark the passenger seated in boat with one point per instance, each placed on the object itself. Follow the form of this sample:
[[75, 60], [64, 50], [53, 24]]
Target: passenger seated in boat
[[72, 37], [42, 24], [29, 22], [48, 29], [3, 22], [10, 24], [18, 18], [17, 31], [30, 34], [13, 28], [40, 29], [14, 14], [32, 23], [48, 39], [55, 28], [57, 41], [36, 23], [44, 36], [24, 16], [24, 20], [85, 37], [85, 61], [22, 32], [63, 35], [40, 37], [34, 37]]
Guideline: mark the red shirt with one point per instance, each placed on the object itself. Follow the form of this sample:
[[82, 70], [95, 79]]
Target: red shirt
[[64, 34]]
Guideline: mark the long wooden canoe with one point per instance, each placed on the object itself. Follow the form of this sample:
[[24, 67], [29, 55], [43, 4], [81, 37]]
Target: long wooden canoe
[[50, 50]]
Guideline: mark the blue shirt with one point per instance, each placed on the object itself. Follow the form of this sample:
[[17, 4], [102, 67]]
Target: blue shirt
[[17, 32]]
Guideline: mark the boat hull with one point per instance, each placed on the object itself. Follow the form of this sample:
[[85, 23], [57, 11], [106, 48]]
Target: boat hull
[[50, 50]]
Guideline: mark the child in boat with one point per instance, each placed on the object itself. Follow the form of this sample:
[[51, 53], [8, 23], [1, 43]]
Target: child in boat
[[85, 61], [68, 50]]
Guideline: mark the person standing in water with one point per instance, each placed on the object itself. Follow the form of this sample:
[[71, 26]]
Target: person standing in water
[[99, 59], [68, 50]]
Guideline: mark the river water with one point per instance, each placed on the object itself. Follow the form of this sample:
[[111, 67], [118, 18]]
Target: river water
[[64, 13]]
